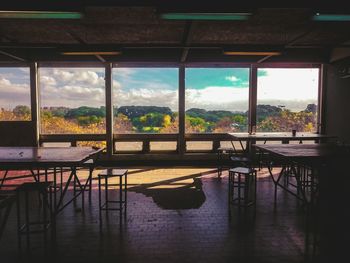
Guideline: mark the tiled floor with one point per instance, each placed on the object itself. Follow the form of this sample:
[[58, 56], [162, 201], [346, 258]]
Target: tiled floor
[[174, 215]]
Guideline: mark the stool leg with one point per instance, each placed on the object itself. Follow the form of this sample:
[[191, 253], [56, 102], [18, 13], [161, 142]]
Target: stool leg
[[120, 199], [45, 217], [229, 187], [18, 221], [245, 190], [99, 200], [55, 186], [106, 193], [27, 219], [255, 185], [90, 183], [61, 179], [219, 165], [125, 193], [239, 189]]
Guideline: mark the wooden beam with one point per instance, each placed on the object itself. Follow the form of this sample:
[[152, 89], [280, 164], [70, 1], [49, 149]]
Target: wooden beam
[[181, 144], [263, 59], [109, 109], [253, 86], [12, 56], [291, 42], [186, 40], [81, 41], [100, 58], [34, 101]]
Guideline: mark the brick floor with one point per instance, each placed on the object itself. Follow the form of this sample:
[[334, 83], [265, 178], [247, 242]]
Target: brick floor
[[174, 215]]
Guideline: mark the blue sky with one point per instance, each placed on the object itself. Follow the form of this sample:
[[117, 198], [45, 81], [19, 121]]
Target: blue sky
[[207, 88]]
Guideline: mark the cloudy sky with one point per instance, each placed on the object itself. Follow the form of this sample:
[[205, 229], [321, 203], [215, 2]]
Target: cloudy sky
[[211, 89]]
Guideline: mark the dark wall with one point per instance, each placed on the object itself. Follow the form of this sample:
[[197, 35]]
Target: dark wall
[[17, 133], [337, 103]]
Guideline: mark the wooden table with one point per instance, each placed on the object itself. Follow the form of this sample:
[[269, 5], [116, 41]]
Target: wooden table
[[31, 158], [284, 137], [313, 155]]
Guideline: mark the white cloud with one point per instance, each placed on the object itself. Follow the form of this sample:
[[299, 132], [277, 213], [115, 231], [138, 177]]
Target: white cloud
[[72, 87], [288, 84], [47, 80], [232, 78], [147, 97], [13, 94], [218, 98]]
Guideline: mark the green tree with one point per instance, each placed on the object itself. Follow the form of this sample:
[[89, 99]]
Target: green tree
[[21, 110]]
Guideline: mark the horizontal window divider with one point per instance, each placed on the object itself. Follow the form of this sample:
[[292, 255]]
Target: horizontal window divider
[[142, 136], [71, 137], [207, 136]]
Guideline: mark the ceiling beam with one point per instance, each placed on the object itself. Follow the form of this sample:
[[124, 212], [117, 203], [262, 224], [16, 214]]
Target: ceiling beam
[[264, 59], [291, 43], [81, 41], [186, 40], [12, 56]]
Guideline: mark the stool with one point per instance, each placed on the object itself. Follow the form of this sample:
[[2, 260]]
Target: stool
[[47, 216], [122, 201], [240, 160], [221, 151], [244, 179]]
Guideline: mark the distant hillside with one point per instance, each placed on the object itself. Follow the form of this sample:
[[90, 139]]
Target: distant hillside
[[138, 111], [212, 116]]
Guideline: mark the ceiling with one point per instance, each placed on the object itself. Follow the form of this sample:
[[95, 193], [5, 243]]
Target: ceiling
[[141, 35]]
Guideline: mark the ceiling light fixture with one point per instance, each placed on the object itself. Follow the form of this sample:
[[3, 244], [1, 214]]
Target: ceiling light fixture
[[39, 15], [91, 53], [252, 53], [206, 16], [331, 17]]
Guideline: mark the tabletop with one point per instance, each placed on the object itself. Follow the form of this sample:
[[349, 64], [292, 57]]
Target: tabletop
[[304, 150], [46, 155], [279, 136]]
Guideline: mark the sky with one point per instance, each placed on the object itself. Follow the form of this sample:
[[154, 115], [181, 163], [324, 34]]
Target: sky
[[206, 88]]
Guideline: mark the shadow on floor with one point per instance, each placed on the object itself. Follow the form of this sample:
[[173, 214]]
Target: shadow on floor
[[189, 196], [172, 194]]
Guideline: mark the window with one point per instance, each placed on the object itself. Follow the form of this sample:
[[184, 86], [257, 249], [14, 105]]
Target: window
[[72, 100], [15, 94], [145, 100], [217, 100], [287, 99]]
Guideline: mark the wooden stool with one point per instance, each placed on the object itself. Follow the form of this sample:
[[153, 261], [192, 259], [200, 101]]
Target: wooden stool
[[47, 216], [244, 179], [221, 152], [122, 201]]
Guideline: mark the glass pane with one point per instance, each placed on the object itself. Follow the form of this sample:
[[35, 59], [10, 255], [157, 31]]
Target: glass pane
[[72, 100], [145, 100], [287, 99], [217, 100], [15, 94]]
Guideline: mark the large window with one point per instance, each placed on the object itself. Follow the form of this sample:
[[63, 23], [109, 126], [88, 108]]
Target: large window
[[145, 100], [287, 99], [72, 100], [14, 94], [217, 100]]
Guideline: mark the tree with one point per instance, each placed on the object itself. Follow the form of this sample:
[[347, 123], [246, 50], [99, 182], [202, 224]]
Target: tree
[[21, 110]]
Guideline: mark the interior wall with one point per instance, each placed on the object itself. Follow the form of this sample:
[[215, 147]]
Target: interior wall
[[17, 133], [337, 101]]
